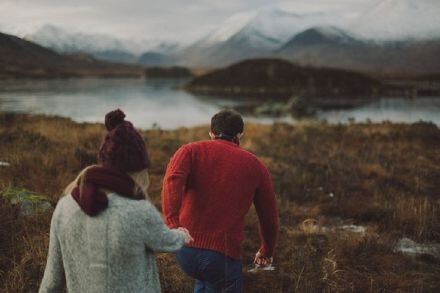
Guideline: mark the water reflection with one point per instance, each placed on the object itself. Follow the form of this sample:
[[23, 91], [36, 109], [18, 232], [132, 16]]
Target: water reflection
[[160, 102], [146, 103]]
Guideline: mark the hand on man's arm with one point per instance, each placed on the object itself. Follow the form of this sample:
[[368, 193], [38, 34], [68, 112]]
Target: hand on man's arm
[[266, 206]]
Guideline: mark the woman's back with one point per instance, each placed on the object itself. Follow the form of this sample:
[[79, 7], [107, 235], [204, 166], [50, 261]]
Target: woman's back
[[104, 232], [110, 252]]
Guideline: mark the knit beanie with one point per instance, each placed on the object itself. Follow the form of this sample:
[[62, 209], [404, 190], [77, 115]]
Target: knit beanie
[[123, 147]]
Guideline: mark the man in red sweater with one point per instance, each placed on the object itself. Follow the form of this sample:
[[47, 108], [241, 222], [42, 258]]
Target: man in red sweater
[[209, 187]]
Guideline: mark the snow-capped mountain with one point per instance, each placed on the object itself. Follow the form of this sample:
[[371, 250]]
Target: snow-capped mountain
[[267, 27], [100, 46], [251, 34], [227, 29], [333, 47], [391, 20]]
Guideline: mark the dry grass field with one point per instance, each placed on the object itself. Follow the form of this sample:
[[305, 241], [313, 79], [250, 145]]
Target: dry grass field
[[347, 195]]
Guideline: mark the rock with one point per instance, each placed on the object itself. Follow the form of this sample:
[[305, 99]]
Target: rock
[[298, 106], [313, 226], [354, 228], [410, 247], [272, 109], [310, 226], [29, 202]]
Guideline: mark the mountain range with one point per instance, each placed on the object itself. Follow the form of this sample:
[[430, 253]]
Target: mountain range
[[249, 35], [390, 36], [100, 46]]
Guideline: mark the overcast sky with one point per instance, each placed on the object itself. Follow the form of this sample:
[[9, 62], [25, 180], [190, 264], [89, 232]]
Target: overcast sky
[[182, 20]]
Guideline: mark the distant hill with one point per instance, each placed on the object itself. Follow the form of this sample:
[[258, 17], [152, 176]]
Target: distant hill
[[117, 56], [167, 72], [276, 77], [155, 59], [20, 58]]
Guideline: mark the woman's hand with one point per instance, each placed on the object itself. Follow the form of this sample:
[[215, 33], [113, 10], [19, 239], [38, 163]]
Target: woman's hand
[[263, 261], [188, 237]]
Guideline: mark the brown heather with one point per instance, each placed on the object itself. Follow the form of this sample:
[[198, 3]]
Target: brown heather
[[385, 177]]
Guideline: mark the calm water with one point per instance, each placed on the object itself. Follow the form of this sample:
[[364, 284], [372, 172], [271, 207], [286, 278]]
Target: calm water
[[404, 110], [158, 102]]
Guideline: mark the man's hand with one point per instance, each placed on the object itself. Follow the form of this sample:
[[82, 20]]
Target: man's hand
[[263, 261], [188, 237]]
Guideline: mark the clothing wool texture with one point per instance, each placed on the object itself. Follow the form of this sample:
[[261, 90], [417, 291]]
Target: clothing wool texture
[[123, 147], [92, 199], [209, 187], [112, 252]]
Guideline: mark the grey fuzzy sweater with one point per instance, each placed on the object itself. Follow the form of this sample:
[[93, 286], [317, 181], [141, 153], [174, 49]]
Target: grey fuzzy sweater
[[112, 252]]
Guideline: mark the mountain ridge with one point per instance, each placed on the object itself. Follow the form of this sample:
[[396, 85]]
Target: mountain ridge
[[21, 58]]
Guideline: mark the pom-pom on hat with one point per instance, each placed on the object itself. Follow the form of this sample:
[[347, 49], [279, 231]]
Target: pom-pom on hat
[[123, 147]]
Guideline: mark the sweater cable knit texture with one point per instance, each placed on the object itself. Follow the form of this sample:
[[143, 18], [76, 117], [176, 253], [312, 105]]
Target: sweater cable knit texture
[[111, 252], [210, 186]]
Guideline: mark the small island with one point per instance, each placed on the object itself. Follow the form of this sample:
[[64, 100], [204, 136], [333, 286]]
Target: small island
[[281, 78]]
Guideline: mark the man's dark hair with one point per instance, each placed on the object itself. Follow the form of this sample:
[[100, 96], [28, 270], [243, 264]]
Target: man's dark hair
[[227, 122]]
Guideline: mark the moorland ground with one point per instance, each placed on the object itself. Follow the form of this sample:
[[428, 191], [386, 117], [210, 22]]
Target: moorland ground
[[347, 194]]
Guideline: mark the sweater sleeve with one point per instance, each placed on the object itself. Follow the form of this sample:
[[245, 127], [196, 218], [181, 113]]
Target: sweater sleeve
[[267, 211], [174, 185], [158, 237], [54, 276]]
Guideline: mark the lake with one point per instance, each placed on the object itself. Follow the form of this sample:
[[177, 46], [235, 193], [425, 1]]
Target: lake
[[158, 103]]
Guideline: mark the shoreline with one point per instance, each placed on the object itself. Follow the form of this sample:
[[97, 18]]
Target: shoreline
[[261, 120]]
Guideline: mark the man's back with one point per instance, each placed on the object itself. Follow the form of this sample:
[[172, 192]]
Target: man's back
[[208, 189]]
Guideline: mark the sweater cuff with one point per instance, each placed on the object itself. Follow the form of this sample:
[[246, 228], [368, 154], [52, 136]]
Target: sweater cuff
[[265, 251], [173, 223]]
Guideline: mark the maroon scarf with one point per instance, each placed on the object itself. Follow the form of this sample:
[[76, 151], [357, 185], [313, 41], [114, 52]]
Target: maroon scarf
[[91, 200]]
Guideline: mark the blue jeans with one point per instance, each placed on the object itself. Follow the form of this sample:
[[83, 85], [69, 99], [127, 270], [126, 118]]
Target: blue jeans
[[213, 271]]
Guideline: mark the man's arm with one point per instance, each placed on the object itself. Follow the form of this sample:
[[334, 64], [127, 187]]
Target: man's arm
[[266, 206], [174, 184]]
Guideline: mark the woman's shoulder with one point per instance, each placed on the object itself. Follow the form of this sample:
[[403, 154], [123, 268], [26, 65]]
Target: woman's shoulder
[[66, 203], [65, 210]]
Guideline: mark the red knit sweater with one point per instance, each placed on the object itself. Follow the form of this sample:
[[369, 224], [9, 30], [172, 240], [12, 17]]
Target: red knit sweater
[[209, 187]]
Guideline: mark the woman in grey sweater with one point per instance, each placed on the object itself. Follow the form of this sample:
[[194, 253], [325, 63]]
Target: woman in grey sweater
[[104, 230]]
